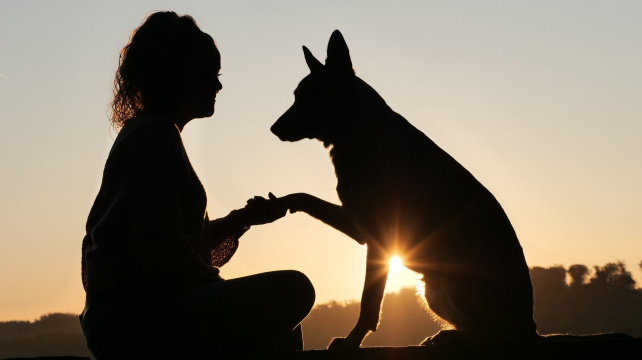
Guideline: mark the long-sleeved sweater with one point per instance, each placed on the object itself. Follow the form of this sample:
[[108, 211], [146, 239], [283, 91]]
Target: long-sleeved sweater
[[148, 228]]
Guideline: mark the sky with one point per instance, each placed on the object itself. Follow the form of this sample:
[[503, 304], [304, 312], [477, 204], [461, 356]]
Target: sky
[[540, 100]]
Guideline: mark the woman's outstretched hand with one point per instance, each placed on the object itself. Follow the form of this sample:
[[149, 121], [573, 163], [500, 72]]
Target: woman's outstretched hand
[[260, 210]]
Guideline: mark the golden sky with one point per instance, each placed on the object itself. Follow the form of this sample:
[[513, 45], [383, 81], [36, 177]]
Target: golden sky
[[539, 100]]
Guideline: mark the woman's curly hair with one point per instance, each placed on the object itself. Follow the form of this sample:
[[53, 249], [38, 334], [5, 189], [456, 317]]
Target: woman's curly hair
[[157, 55]]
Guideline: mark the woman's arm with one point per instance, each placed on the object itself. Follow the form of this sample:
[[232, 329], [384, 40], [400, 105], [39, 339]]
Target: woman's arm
[[220, 236]]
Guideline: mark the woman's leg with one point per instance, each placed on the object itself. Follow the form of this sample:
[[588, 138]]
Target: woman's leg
[[257, 313]]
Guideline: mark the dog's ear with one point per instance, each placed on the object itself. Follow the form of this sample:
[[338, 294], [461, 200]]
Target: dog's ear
[[313, 63], [338, 60]]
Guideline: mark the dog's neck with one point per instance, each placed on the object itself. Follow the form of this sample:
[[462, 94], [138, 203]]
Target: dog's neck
[[368, 125], [356, 144]]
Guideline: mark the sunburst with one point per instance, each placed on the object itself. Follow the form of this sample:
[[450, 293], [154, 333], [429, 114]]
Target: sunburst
[[396, 264]]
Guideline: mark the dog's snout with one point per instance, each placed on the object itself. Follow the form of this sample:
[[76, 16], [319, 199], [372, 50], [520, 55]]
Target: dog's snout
[[283, 126], [275, 129]]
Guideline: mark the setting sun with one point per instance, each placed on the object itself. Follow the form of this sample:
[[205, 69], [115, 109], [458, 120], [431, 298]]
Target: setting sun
[[396, 264], [400, 276]]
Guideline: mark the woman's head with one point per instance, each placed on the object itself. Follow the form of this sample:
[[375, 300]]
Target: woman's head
[[169, 67]]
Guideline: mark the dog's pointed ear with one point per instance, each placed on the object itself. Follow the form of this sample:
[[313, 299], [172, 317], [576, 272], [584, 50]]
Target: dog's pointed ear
[[313, 63], [338, 60]]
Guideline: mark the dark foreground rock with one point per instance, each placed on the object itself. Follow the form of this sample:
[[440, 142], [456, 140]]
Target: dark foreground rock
[[602, 349], [52, 358]]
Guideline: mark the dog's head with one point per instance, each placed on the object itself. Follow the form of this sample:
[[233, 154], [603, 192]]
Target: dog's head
[[324, 99]]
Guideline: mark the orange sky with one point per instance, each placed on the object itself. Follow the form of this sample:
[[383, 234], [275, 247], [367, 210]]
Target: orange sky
[[539, 100]]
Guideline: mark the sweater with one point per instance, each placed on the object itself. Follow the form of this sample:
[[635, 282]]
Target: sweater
[[148, 229]]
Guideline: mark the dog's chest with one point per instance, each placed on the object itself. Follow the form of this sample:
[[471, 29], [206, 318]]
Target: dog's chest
[[357, 180], [346, 188]]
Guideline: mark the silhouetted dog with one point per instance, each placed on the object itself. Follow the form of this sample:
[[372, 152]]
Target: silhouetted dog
[[404, 195]]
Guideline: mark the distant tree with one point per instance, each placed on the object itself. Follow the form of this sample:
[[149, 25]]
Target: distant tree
[[327, 321], [607, 301], [404, 322], [11, 330], [613, 275], [550, 278], [50, 335], [550, 294], [578, 273]]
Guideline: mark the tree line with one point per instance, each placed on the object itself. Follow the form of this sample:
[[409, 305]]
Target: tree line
[[602, 300], [575, 300], [51, 335]]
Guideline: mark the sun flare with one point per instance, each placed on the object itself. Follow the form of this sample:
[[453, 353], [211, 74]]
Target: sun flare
[[396, 264], [399, 276]]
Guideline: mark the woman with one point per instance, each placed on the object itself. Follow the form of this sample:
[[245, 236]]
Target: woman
[[151, 255]]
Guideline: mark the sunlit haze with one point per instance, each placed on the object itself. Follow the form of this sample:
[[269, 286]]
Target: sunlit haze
[[540, 100]]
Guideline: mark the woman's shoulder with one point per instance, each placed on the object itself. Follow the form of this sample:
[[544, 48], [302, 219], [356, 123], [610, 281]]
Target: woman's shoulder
[[147, 142], [148, 133], [149, 126]]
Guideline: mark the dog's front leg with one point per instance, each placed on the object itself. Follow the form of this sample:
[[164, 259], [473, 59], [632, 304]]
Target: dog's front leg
[[376, 275], [329, 213]]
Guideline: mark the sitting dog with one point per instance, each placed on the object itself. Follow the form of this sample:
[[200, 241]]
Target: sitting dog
[[402, 194]]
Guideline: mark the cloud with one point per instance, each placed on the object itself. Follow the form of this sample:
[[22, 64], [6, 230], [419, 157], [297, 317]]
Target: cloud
[[3, 76]]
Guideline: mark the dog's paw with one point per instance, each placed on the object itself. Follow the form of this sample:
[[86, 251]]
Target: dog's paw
[[342, 343], [292, 202], [445, 338]]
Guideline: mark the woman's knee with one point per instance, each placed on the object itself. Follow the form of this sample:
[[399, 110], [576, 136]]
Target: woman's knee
[[302, 290], [292, 292]]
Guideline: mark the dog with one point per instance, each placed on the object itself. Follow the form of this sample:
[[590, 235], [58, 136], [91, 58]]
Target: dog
[[402, 194]]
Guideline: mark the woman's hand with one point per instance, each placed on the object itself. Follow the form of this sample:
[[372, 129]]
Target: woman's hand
[[260, 210]]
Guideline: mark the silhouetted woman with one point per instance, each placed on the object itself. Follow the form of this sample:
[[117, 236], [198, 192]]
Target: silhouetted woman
[[150, 254]]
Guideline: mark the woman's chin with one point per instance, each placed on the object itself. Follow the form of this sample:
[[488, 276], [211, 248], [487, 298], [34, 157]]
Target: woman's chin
[[210, 111], [205, 113]]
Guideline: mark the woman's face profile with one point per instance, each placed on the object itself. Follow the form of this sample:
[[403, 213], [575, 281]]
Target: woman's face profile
[[202, 82]]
